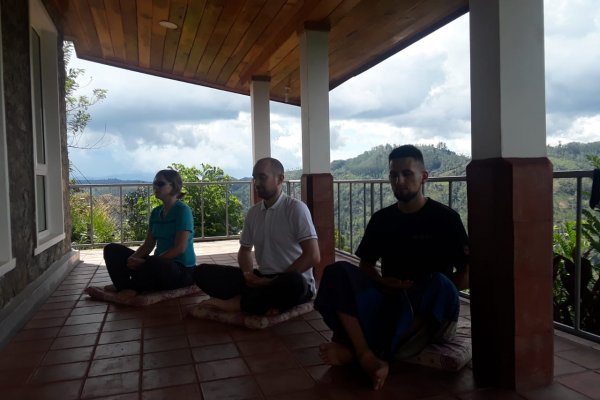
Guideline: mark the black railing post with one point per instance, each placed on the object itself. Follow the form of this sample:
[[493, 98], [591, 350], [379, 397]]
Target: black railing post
[[351, 224], [121, 213], [91, 229], [577, 260]]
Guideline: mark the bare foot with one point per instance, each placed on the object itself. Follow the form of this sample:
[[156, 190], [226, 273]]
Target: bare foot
[[333, 353], [126, 294], [375, 368], [110, 288], [230, 305]]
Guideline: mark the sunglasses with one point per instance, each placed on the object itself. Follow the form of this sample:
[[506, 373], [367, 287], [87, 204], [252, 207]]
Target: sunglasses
[[159, 183]]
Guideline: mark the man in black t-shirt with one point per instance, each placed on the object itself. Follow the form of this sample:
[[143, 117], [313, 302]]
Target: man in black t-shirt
[[422, 247]]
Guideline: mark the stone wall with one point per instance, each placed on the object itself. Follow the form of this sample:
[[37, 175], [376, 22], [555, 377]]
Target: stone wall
[[18, 113]]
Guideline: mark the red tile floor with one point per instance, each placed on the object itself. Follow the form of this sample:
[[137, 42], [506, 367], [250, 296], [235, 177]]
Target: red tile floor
[[78, 348]]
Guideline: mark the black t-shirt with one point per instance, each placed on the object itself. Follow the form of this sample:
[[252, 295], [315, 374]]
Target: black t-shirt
[[414, 245]]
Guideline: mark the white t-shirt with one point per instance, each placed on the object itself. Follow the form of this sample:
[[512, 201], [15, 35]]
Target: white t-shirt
[[276, 233]]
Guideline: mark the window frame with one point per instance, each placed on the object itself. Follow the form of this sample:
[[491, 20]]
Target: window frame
[[7, 262], [47, 97]]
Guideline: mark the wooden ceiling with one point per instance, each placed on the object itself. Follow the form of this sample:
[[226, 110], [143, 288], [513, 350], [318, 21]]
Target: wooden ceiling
[[224, 43]]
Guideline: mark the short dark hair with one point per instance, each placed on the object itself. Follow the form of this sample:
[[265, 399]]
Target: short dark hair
[[173, 177], [407, 150], [276, 165]]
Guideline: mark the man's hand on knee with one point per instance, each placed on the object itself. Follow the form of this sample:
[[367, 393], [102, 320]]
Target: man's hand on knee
[[253, 280]]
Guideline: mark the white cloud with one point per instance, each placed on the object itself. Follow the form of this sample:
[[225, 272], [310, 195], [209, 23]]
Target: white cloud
[[420, 95], [581, 129]]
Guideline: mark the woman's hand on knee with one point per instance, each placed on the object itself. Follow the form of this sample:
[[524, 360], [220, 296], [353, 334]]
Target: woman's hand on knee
[[135, 263]]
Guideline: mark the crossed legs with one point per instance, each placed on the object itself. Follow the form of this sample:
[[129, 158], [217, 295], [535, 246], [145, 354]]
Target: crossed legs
[[228, 291]]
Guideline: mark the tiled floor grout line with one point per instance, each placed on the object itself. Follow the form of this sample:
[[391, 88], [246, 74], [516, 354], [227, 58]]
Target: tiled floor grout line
[[298, 354], [95, 347]]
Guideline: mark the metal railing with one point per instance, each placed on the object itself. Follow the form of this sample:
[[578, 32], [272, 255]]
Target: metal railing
[[580, 189], [352, 213], [355, 201], [123, 203]]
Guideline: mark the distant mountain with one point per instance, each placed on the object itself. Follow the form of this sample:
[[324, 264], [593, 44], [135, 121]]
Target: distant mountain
[[109, 181], [440, 161], [572, 156]]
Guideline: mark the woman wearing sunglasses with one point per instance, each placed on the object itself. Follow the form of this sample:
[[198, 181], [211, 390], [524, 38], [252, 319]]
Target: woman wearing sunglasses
[[170, 235]]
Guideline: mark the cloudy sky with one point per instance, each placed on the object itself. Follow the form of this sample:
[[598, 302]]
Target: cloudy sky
[[147, 123]]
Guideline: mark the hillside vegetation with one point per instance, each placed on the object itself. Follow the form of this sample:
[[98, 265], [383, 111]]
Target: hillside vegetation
[[440, 161]]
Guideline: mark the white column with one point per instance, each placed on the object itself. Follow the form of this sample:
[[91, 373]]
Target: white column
[[508, 113], [261, 122], [314, 80]]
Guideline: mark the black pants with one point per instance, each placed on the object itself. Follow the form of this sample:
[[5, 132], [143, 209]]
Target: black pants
[[155, 274], [287, 290]]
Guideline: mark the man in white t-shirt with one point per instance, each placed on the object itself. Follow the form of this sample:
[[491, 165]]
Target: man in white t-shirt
[[282, 233]]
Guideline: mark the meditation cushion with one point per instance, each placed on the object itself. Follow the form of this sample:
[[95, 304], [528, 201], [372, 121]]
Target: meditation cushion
[[248, 320], [142, 299], [451, 355]]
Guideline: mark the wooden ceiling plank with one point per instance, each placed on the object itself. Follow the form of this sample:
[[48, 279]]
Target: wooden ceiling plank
[[115, 25], [217, 39], [101, 23], [191, 23], [258, 27], [177, 13], [293, 83], [352, 33], [331, 11], [283, 17], [58, 10], [71, 24], [394, 41], [239, 32], [277, 38], [212, 11], [289, 63], [392, 19], [363, 32], [160, 12], [129, 18], [144, 31], [311, 11], [87, 30], [283, 52], [323, 10]]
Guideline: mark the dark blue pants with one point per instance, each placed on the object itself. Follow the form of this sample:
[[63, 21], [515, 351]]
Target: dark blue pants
[[384, 317]]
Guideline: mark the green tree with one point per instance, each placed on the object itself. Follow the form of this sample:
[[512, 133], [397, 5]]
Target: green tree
[[205, 193], [211, 203], [565, 274], [100, 228], [137, 205], [78, 105]]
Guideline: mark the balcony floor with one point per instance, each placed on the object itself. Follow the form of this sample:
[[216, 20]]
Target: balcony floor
[[78, 348]]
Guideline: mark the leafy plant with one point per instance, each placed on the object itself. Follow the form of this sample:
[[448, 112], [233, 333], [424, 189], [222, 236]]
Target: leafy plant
[[211, 203], [78, 105], [99, 229], [136, 209], [564, 270], [208, 204]]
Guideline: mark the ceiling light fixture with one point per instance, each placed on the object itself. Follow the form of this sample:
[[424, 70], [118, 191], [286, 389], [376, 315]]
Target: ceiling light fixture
[[168, 25]]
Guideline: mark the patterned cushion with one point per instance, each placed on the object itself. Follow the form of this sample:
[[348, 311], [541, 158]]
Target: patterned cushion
[[142, 299], [451, 355], [249, 320]]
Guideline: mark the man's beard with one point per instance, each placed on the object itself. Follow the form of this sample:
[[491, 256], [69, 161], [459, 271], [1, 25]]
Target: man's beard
[[405, 197], [266, 194]]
